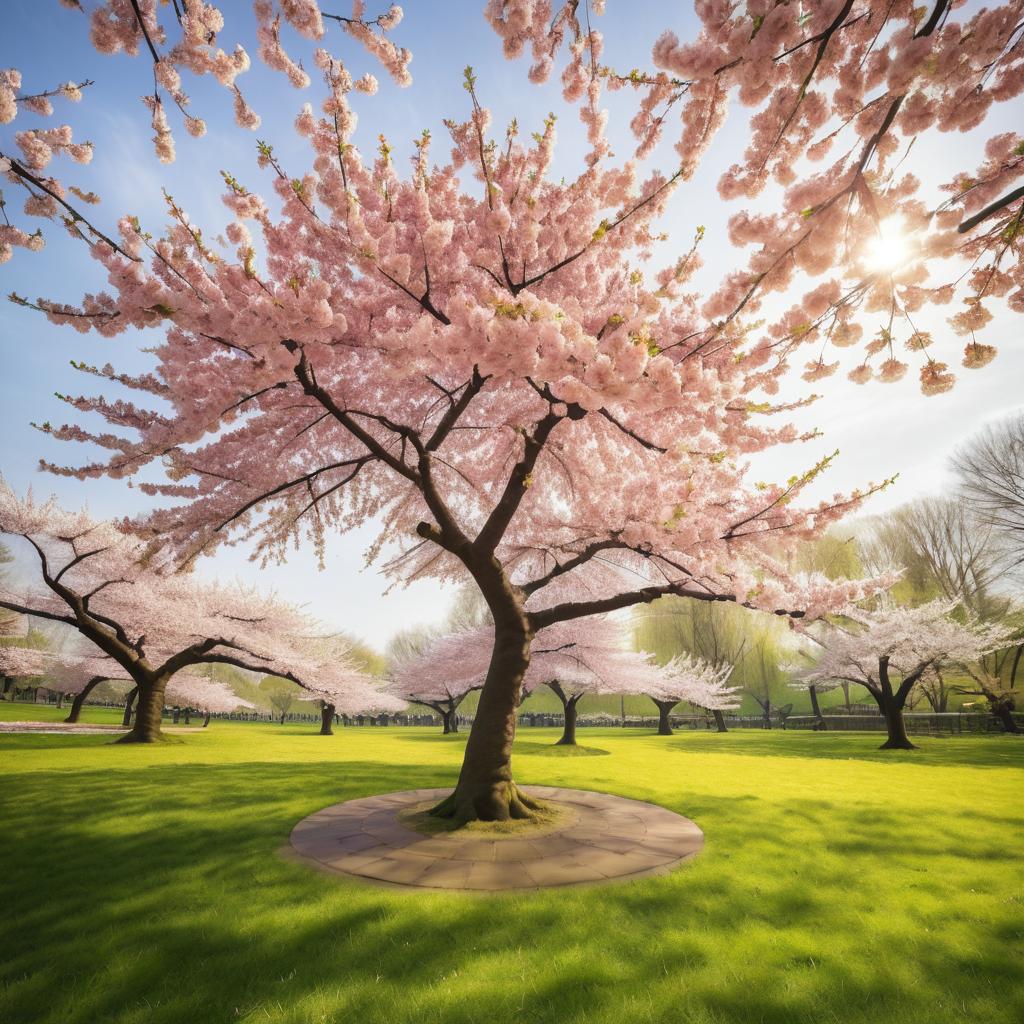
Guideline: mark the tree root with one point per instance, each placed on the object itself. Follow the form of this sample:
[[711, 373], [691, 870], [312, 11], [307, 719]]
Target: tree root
[[897, 745], [501, 802]]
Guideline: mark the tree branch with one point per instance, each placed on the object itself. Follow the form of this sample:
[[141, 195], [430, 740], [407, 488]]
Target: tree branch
[[645, 595]]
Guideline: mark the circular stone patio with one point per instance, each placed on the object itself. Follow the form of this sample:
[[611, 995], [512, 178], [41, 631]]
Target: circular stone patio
[[598, 838]]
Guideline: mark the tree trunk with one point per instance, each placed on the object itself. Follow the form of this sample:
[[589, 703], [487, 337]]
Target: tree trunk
[[568, 738], [449, 721], [188, 716], [175, 715], [148, 714], [846, 697], [129, 703], [206, 719], [892, 701], [60, 699], [485, 790], [816, 708], [8, 683], [326, 719], [1005, 717], [1002, 709], [895, 726], [664, 710], [76, 704], [720, 721]]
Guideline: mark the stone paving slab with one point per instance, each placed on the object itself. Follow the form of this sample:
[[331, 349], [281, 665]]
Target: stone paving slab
[[603, 838]]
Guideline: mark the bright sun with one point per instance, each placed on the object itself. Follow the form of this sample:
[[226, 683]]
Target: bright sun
[[891, 247]]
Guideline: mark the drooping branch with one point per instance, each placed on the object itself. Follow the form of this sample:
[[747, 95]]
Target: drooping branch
[[21, 172]]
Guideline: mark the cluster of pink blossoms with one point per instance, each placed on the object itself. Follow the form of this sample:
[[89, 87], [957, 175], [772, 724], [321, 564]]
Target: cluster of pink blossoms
[[38, 146], [184, 38], [865, 78]]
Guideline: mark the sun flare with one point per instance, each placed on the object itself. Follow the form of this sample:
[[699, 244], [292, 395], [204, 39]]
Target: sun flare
[[891, 247]]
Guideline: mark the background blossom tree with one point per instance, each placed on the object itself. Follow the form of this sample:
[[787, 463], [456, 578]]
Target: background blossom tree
[[108, 586], [888, 650], [21, 663], [78, 676], [443, 672], [194, 692], [696, 681], [349, 690]]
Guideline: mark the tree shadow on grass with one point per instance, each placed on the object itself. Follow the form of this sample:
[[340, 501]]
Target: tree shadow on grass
[[155, 895]]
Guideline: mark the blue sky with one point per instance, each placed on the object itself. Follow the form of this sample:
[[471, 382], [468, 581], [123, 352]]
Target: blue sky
[[880, 430]]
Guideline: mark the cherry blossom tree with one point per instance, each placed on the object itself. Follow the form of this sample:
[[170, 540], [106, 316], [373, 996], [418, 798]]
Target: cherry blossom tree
[[994, 677], [195, 692], [588, 656], [494, 369], [800, 663], [889, 650], [350, 690], [443, 672], [109, 587], [79, 675], [696, 681], [21, 663], [508, 405]]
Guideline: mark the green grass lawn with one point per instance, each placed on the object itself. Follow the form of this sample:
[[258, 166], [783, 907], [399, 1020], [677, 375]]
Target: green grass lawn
[[838, 884]]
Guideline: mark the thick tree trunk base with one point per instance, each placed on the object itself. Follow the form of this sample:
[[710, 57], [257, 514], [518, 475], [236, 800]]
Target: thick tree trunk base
[[568, 737], [896, 728], [897, 743], [327, 721], [144, 737], [148, 719], [503, 801], [665, 708], [1006, 720]]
